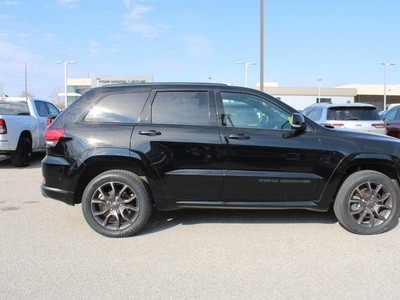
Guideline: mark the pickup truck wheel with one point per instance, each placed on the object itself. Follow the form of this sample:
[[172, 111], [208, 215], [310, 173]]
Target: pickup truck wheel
[[367, 203], [21, 157], [116, 204]]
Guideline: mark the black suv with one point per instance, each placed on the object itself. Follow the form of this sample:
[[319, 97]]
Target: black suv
[[122, 150]]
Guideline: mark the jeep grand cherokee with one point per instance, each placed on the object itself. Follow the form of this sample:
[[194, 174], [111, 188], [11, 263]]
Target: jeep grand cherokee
[[123, 150]]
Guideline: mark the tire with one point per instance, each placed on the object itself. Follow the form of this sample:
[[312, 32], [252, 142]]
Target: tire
[[21, 157], [116, 204], [367, 203]]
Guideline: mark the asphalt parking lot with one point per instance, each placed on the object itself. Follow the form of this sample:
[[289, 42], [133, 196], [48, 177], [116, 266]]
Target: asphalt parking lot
[[49, 252]]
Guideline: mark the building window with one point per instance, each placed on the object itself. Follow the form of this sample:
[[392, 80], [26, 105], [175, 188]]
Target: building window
[[324, 100]]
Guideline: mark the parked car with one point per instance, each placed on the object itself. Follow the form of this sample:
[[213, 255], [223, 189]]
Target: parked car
[[392, 121], [355, 116], [122, 150], [393, 105], [22, 125]]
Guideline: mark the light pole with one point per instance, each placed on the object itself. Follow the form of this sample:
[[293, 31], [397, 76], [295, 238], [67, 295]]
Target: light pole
[[319, 90], [246, 65], [65, 77], [384, 81]]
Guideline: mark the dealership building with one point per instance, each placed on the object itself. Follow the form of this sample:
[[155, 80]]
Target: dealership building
[[77, 86], [297, 97]]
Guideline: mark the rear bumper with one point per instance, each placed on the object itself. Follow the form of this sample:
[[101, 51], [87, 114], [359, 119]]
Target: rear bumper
[[57, 194], [58, 182]]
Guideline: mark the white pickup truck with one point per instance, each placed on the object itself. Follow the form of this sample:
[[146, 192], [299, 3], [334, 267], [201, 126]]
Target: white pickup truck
[[22, 125]]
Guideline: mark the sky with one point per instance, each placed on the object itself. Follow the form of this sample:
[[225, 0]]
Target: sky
[[340, 42]]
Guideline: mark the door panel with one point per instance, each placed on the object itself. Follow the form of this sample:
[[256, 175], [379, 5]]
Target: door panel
[[187, 159], [182, 141], [270, 165], [264, 159]]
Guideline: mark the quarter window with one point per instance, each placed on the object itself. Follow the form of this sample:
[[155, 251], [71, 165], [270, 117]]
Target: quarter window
[[118, 108]]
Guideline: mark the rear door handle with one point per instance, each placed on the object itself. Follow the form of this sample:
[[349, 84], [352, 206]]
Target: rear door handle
[[149, 132]]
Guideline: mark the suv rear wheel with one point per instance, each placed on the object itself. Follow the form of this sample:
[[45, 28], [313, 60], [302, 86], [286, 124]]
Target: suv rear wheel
[[116, 203], [367, 203]]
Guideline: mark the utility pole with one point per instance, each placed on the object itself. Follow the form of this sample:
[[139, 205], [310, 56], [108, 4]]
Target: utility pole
[[26, 81]]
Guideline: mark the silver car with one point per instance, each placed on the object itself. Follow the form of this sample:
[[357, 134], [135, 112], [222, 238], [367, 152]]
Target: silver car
[[354, 116]]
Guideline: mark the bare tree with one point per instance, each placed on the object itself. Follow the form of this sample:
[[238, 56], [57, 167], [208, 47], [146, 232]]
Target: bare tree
[[27, 95]]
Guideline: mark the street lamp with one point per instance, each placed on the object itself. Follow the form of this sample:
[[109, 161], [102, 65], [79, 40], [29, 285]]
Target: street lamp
[[319, 90], [384, 81], [65, 77], [246, 64]]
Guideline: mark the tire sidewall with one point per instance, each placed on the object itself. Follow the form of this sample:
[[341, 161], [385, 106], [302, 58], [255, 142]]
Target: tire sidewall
[[134, 182], [341, 205], [18, 158]]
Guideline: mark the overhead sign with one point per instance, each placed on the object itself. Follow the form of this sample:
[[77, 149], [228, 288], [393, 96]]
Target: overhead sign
[[100, 80]]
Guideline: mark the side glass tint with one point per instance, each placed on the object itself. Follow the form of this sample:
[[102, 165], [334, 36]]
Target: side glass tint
[[52, 109], [313, 113], [390, 115], [41, 108], [182, 108], [249, 111], [118, 108]]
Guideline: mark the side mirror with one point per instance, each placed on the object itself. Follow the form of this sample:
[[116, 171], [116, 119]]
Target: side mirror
[[297, 122]]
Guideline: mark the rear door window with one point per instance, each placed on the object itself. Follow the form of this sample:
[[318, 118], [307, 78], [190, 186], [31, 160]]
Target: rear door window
[[41, 108], [181, 108]]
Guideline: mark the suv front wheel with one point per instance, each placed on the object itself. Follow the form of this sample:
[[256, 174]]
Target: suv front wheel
[[116, 203], [367, 203]]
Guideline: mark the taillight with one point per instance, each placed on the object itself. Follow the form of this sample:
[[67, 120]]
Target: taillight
[[53, 135], [3, 127], [379, 125], [50, 118]]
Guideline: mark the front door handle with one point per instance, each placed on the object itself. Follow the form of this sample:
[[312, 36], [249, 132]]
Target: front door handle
[[239, 136], [149, 132]]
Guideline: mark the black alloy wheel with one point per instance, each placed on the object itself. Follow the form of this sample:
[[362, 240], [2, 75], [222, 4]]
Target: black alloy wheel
[[367, 203], [116, 204], [22, 156]]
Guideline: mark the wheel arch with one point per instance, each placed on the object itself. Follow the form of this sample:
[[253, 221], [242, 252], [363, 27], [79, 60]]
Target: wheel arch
[[26, 134], [385, 164], [98, 164]]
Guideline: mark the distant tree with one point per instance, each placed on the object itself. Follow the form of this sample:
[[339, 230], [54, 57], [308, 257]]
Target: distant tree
[[58, 101], [23, 94]]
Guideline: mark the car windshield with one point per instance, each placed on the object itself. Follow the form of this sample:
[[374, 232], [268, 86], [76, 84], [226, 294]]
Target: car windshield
[[353, 113]]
